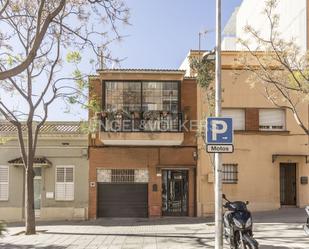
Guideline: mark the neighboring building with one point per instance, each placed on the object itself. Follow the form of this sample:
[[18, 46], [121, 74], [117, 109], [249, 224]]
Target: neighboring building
[[293, 23], [61, 173], [142, 162], [269, 166]]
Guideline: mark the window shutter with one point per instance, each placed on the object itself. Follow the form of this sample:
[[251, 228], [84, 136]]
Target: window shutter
[[65, 183], [238, 116], [60, 191], [69, 183], [272, 119], [4, 183]]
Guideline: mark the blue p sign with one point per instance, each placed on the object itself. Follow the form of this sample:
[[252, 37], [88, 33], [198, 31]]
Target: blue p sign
[[219, 131]]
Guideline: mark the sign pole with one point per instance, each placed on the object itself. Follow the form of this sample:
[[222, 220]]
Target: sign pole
[[218, 175]]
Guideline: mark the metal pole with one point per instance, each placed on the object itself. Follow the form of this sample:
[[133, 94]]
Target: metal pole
[[218, 175]]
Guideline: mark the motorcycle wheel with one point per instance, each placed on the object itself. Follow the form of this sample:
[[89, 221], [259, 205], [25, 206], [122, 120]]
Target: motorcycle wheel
[[250, 243]]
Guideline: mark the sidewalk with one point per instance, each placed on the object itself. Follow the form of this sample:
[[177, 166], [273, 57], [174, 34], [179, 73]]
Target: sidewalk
[[274, 230]]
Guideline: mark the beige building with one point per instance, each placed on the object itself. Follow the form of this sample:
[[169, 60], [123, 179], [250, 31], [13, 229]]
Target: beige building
[[269, 166], [61, 173]]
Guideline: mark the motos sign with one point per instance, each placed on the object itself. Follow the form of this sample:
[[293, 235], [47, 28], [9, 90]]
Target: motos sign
[[219, 135]]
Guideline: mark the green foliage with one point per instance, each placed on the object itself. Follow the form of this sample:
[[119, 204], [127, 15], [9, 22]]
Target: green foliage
[[81, 83], [94, 105], [2, 228], [204, 69], [74, 57]]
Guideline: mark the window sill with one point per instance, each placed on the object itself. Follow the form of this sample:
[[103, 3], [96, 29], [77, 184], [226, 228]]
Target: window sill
[[269, 132], [64, 200]]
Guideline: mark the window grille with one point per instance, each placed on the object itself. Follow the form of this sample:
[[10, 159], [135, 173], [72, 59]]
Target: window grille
[[122, 175], [230, 173]]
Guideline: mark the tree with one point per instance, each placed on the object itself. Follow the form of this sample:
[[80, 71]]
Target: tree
[[34, 37], [204, 69], [2, 228], [280, 65]]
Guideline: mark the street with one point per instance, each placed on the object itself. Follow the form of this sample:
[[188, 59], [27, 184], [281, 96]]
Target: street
[[274, 230]]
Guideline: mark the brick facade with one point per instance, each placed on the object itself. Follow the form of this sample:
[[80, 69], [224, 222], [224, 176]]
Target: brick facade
[[153, 158]]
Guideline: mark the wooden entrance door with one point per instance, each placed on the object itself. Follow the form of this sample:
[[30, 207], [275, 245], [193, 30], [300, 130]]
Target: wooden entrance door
[[288, 184]]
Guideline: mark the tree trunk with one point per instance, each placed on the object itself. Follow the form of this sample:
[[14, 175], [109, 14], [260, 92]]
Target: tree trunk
[[29, 200]]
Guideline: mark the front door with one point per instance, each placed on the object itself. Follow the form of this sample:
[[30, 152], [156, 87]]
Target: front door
[[175, 192], [288, 184]]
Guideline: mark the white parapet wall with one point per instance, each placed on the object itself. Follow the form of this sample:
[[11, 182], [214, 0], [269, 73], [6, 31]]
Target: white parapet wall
[[293, 20]]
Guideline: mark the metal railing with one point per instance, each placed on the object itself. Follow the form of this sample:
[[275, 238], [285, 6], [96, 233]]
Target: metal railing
[[148, 121]]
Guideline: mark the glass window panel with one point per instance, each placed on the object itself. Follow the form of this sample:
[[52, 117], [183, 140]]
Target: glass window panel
[[124, 96], [160, 96], [37, 171], [127, 96]]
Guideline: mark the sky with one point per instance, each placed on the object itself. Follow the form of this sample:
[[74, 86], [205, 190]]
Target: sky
[[160, 35]]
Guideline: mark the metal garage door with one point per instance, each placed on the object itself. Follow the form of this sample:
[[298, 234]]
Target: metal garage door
[[122, 200]]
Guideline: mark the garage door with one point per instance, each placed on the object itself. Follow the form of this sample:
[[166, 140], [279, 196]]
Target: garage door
[[122, 200]]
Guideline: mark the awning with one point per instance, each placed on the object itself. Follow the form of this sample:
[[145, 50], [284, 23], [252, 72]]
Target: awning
[[275, 156], [38, 161]]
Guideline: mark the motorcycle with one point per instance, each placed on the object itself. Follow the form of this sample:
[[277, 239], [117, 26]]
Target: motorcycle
[[306, 226], [237, 225]]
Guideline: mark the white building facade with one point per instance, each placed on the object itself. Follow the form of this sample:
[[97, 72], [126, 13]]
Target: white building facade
[[293, 16]]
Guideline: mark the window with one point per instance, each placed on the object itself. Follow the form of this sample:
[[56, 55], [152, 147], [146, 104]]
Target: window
[[64, 183], [122, 175], [142, 106], [4, 183], [160, 96], [238, 116], [141, 96], [124, 96], [230, 173], [272, 119]]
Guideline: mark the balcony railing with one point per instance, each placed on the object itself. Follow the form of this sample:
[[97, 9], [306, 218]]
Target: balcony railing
[[149, 121]]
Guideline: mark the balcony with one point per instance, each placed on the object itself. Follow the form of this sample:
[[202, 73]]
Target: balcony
[[141, 128]]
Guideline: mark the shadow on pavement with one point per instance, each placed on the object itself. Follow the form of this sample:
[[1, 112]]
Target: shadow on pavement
[[16, 246], [273, 247], [123, 222]]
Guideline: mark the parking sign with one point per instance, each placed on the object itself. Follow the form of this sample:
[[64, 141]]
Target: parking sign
[[219, 135]]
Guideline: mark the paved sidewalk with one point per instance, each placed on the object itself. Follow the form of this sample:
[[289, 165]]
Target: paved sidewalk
[[274, 230]]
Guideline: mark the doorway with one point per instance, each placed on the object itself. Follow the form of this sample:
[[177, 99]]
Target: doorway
[[288, 184], [37, 184], [175, 192]]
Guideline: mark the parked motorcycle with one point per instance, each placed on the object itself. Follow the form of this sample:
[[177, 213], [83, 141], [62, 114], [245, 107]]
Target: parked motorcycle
[[237, 223], [306, 226]]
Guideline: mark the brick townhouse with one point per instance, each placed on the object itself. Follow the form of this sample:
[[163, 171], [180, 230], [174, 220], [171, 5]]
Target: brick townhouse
[[142, 162]]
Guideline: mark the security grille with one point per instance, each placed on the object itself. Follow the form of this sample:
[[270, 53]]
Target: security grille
[[122, 175], [230, 173]]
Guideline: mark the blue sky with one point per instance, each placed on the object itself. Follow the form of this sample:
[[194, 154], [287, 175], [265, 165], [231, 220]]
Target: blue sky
[[163, 31], [160, 35]]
